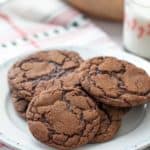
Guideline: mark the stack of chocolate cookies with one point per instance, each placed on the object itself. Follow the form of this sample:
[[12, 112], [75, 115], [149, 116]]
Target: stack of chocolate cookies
[[69, 102]]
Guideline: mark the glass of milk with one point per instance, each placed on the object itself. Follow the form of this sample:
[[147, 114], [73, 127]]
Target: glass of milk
[[137, 27]]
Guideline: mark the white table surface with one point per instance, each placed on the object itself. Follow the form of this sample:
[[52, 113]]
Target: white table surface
[[113, 29]]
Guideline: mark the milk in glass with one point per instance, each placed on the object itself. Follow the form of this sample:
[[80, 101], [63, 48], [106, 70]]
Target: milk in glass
[[137, 27]]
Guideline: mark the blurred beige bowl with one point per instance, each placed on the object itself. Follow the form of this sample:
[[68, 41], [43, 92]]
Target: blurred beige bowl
[[106, 9]]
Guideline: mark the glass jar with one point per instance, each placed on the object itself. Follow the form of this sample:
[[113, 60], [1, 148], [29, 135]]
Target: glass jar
[[136, 34]]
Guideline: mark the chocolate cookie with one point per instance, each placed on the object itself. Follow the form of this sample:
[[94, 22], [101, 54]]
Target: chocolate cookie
[[115, 82], [110, 116], [63, 118], [26, 74]]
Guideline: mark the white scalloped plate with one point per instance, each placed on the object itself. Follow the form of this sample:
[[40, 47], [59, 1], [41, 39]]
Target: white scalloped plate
[[133, 135]]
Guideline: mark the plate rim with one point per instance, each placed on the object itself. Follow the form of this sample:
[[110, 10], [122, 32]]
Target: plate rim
[[14, 144]]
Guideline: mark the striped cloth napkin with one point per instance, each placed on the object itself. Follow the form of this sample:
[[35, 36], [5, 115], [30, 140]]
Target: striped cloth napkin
[[27, 25], [30, 25]]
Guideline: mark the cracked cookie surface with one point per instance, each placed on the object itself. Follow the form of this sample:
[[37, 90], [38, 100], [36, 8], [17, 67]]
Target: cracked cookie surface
[[70, 80], [110, 123], [115, 82], [63, 118], [110, 116], [26, 74]]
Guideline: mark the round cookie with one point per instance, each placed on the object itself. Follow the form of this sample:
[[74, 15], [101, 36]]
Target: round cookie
[[115, 82], [63, 118], [110, 116], [26, 74]]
